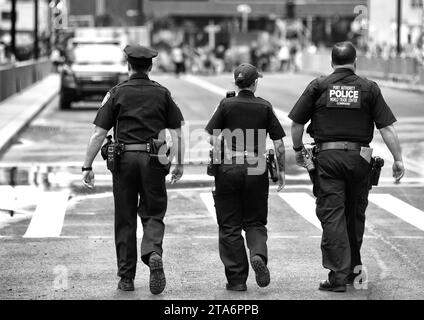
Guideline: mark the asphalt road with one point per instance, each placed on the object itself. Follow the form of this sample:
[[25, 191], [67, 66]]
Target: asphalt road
[[59, 243]]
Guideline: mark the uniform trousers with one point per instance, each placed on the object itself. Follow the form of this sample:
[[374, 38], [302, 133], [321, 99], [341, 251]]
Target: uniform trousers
[[138, 188], [342, 179], [241, 203]]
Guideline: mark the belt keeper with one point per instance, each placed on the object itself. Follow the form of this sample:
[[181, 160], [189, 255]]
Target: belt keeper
[[148, 147], [345, 146]]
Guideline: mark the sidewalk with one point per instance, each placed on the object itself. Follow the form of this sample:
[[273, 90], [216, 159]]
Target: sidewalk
[[20, 109]]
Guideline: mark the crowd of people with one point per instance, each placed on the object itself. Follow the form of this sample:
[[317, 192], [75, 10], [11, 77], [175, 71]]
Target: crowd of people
[[285, 57]]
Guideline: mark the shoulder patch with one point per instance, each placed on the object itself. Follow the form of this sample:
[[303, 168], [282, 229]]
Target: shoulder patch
[[106, 98]]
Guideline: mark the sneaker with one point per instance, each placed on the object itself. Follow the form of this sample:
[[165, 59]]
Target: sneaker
[[126, 284], [236, 287], [157, 276], [327, 286], [261, 270]]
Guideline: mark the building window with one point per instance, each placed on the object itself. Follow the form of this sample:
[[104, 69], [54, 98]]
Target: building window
[[6, 15], [417, 4]]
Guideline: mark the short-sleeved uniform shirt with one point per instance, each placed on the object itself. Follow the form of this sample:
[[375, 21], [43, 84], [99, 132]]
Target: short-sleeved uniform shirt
[[248, 115], [139, 109], [342, 107]]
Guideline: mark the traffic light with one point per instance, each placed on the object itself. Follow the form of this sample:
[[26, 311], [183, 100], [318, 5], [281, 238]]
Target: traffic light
[[291, 9]]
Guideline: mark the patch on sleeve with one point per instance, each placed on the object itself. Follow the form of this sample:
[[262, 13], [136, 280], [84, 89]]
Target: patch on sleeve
[[106, 98], [344, 96]]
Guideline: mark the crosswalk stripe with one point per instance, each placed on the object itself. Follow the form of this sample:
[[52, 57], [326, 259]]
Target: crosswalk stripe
[[303, 204], [49, 215], [139, 228], [209, 203], [399, 208]]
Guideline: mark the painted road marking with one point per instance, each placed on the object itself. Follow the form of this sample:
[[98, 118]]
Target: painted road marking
[[209, 203], [303, 204], [49, 215], [139, 228], [399, 208]]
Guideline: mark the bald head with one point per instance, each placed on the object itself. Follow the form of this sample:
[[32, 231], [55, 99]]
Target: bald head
[[344, 53]]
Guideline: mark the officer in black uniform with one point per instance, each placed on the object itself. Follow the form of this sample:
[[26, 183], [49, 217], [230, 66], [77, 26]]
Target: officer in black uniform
[[139, 110], [343, 109], [241, 195]]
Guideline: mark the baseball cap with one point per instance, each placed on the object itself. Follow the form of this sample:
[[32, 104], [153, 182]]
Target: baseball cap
[[245, 74]]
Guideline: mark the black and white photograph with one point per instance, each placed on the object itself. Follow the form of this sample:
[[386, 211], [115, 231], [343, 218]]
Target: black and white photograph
[[207, 157]]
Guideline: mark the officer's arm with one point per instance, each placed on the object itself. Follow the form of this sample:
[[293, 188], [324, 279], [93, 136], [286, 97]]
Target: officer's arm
[[391, 140], [178, 145], [297, 134], [94, 145], [280, 152]]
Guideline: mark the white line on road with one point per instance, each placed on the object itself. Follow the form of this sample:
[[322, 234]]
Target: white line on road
[[49, 215], [399, 208], [303, 204], [209, 203]]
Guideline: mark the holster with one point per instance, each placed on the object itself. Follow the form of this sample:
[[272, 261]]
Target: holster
[[159, 153], [111, 152], [272, 165], [376, 164]]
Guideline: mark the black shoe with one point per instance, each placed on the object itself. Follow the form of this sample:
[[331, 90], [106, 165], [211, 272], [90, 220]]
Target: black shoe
[[236, 287], [327, 286], [157, 276], [261, 270], [126, 284]]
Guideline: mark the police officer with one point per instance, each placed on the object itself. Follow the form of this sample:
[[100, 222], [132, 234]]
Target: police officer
[[139, 110], [241, 194], [343, 109]]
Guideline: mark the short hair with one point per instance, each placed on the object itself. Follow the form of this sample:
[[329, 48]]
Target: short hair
[[140, 65], [343, 53]]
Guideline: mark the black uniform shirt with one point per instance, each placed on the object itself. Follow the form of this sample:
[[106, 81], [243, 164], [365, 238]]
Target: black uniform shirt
[[244, 112], [342, 107], [138, 109]]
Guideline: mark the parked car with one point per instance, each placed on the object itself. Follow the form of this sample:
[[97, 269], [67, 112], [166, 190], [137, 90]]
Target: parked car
[[92, 67]]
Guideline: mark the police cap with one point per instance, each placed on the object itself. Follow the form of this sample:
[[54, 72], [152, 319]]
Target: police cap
[[245, 74], [140, 52]]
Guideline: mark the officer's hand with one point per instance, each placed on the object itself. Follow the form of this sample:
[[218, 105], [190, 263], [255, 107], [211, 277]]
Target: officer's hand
[[281, 180], [88, 179], [177, 173], [300, 161], [398, 171]]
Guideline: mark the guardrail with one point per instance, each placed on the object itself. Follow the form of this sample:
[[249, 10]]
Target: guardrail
[[18, 76], [398, 69]]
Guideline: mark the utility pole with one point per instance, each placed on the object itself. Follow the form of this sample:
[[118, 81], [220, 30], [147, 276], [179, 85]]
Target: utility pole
[[36, 47], [399, 28], [13, 28], [140, 13]]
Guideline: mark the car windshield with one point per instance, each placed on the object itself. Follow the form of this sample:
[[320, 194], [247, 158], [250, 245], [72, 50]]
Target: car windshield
[[97, 54]]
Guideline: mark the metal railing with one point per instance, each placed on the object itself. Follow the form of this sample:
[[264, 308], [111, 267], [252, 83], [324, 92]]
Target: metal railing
[[398, 69], [18, 76]]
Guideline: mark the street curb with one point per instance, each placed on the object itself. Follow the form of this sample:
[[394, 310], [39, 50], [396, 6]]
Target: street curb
[[24, 124]]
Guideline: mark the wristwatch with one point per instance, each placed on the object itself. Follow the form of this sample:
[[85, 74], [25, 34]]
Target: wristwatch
[[86, 169], [298, 148]]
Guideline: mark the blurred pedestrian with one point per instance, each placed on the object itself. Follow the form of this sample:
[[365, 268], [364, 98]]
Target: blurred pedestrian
[[179, 60], [343, 109], [284, 57]]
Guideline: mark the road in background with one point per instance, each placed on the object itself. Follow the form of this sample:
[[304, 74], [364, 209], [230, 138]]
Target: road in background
[[64, 249]]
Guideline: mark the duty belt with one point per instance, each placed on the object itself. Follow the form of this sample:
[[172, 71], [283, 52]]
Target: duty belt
[[339, 145], [143, 147]]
